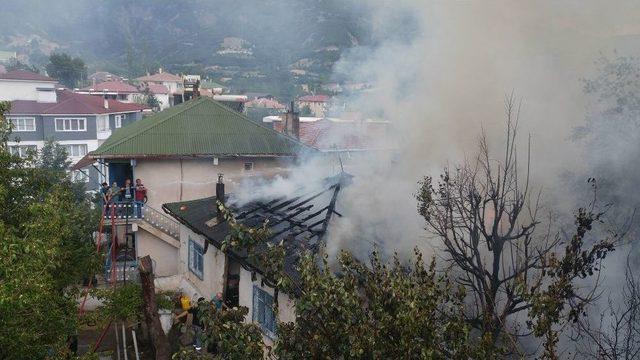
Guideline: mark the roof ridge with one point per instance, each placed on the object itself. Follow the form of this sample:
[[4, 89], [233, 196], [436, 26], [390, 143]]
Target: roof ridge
[[55, 105], [246, 118], [151, 126]]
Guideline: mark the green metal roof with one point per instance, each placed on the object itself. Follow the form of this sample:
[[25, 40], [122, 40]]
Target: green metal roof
[[201, 126], [209, 84]]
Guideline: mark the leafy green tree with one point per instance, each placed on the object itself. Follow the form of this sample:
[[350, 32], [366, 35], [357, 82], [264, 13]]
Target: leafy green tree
[[53, 157], [71, 72], [511, 266], [306, 111], [150, 99], [15, 64], [227, 332], [379, 311], [46, 249]]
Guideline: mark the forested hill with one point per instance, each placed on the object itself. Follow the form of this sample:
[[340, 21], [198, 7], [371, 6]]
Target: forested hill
[[133, 37]]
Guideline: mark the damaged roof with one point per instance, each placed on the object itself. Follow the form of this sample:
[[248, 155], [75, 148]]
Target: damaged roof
[[198, 127], [298, 221]]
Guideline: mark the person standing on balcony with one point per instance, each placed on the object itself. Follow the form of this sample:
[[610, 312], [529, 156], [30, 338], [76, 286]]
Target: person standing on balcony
[[110, 196], [140, 197], [126, 193], [104, 191]]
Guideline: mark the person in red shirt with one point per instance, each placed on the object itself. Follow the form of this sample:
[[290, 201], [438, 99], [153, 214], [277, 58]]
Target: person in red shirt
[[140, 197]]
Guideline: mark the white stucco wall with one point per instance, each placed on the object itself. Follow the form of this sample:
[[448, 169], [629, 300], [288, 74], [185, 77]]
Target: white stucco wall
[[214, 262], [174, 180], [164, 255], [24, 90], [163, 99], [286, 305]]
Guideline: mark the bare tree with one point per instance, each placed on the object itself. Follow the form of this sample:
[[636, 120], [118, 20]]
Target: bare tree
[[488, 220], [616, 332]]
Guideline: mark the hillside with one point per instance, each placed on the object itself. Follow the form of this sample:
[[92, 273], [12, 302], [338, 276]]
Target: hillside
[[254, 44]]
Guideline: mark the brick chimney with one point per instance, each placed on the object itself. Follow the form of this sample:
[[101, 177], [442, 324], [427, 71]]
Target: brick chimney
[[292, 122]]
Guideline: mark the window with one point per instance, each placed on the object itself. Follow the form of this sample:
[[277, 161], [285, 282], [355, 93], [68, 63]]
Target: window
[[71, 124], [248, 166], [103, 123], [263, 311], [76, 150], [23, 124], [23, 150], [195, 259], [118, 121], [79, 176]]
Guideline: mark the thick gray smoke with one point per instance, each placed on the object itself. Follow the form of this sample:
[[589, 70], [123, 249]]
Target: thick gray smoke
[[440, 72]]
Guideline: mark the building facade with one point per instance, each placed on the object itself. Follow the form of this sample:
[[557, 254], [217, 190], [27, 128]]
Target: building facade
[[25, 85], [173, 83], [297, 221], [78, 122], [317, 104], [178, 154]]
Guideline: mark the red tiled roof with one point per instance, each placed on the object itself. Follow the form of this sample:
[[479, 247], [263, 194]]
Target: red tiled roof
[[163, 76], [113, 86], [157, 88], [29, 107], [314, 98], [325, 134], [70, 103], [265, 103], [25, 75]]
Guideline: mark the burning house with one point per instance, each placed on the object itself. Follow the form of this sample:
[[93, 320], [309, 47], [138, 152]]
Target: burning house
[[177, 153], [298, 221]]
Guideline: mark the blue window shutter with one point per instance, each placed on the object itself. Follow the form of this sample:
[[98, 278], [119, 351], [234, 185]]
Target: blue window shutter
[[254, 315], [268, 312], [190, 254]]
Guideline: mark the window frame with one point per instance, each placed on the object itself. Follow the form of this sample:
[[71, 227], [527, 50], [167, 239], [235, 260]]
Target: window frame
[[196, 249], [117, 120], [15, 127], [69, 119], [251, 167], [68, 147], [83, 178], [262, 299], [100, 120], [22, 150]]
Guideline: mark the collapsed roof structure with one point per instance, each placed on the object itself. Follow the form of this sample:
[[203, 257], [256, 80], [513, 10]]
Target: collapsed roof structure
[[298, 221]]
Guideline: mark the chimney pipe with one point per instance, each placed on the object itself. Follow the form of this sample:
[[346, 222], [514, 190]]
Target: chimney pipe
[[219, 196], [292, 122], [220, 188], [106, 101]]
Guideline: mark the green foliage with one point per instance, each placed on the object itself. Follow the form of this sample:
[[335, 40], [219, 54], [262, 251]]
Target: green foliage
[[166, 300], [15, 64], [381, 311], [232, 337], [122, 303], [557, 303], [241, 236], [150, 99], [71, 72], [190, 353], [53, 156], [306, 111], [46, 248], [269, 257]]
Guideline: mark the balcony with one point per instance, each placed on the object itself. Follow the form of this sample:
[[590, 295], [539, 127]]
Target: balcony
[[122, 212]]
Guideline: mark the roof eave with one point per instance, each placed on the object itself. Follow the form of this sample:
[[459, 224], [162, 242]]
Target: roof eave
[[182, 156]]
